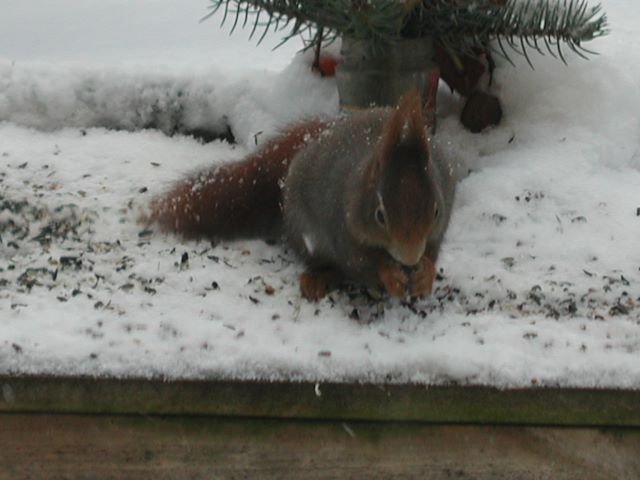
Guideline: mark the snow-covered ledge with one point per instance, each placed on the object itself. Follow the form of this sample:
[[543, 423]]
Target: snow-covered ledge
[[539, 271]]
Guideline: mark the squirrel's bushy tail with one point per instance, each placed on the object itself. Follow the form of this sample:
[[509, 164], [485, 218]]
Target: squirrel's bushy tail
[[235, 200]]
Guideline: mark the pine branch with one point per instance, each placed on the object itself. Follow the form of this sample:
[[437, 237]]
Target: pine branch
[[517, 25], [520, 26], [374, 19]]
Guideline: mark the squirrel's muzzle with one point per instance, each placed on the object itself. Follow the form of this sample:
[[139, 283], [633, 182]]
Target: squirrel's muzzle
[[408, 253]]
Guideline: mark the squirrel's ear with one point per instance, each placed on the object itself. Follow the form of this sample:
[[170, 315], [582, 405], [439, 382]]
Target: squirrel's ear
[[405, 126]]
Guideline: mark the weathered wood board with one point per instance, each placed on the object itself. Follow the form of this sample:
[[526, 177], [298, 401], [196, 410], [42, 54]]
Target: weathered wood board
[[177, 447], [534, 406], [87, 428]]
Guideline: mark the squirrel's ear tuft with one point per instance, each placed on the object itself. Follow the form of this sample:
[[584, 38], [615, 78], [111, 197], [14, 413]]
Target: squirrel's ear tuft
[[405, 126]]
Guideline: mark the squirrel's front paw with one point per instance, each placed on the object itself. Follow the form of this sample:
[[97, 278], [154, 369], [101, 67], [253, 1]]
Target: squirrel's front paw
[[315, 284], [394, 279], [400, 282], [421, 280]]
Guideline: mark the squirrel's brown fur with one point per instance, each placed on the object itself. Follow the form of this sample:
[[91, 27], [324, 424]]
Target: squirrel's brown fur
[[235, 200]]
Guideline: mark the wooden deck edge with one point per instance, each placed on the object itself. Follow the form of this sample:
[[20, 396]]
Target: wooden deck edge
[[330, 401], [177, 447]]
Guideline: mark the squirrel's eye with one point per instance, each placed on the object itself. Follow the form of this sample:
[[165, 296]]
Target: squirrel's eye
[[380, 217]]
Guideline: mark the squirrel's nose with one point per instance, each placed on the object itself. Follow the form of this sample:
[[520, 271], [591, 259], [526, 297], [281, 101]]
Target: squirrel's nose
[[408, 254]]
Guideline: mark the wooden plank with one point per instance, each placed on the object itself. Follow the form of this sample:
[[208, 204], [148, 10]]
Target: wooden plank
[[128, 447], [325, 401]]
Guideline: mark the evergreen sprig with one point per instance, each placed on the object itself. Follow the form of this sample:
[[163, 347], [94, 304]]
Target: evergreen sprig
[[520, 25], [375, 19]]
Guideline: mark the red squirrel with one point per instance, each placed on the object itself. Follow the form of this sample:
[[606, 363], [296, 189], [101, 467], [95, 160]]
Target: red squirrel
[[362, 198]]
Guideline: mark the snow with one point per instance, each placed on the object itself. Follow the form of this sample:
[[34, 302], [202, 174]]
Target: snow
[[540, 270]]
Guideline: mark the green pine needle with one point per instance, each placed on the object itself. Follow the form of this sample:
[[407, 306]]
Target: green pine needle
[[518, 26]]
